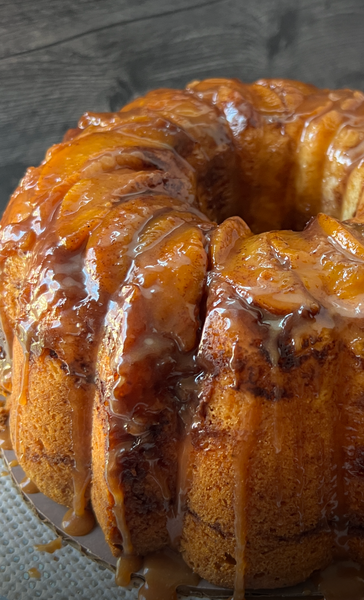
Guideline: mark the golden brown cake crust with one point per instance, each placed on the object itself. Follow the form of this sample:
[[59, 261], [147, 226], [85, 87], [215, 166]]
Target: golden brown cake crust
[[198, 373]]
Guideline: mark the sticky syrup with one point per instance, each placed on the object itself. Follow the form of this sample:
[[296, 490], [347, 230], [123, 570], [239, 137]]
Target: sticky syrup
[[341, 581], [5, 440], [125, 567], [76, 525], [34, 573], [28, 486], [164, 571], [50, 547]]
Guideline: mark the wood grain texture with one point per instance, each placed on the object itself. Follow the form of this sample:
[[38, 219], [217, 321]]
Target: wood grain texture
[[61, 58], [33, 25]]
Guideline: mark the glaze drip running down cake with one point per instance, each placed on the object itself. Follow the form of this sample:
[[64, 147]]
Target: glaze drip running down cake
[[182, 314]]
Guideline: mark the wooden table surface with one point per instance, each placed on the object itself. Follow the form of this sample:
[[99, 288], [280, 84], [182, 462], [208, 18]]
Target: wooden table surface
[[59, 58]]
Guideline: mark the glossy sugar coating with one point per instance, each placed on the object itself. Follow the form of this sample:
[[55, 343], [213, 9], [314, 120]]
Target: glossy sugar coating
[[207, 379]]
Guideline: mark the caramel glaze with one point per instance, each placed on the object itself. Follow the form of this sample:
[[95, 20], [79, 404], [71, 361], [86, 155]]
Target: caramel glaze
[[50, 547], [28, 486], [146, 355], [5, 441], [127, 565], [170, 346], [78, 525], [164, 571], [341, 580], [33, 572]]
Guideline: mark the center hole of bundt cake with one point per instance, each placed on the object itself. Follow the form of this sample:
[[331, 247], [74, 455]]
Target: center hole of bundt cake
[[276, 194], [267, 211]]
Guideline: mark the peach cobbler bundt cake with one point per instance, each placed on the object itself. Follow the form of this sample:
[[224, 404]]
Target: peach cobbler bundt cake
[[200, 385]]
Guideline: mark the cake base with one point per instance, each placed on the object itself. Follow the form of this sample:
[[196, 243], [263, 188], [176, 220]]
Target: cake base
[[94, 546]]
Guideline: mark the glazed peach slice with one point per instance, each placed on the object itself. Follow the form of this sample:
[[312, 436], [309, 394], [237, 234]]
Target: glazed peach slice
[[353, 201], [75, 156], [185, 111], [265, 155], [343, 263], [227, 238], [255, 266], [208, 147], [180, 264], [342, 236], [171, 272], [89, 200], [311, 153], [85, 156], [291, 93], [145, 343], [86, 204], [111, 247], [197, 134], [343, 151]]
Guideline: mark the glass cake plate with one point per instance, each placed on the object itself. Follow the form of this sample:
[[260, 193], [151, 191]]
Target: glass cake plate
[[95, 547]]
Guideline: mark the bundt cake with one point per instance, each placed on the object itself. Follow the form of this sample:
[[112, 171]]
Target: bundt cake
[[201, 385]]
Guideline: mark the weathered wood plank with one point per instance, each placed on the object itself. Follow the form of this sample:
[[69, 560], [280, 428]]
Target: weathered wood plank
[[44, 91], [26, 26]]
